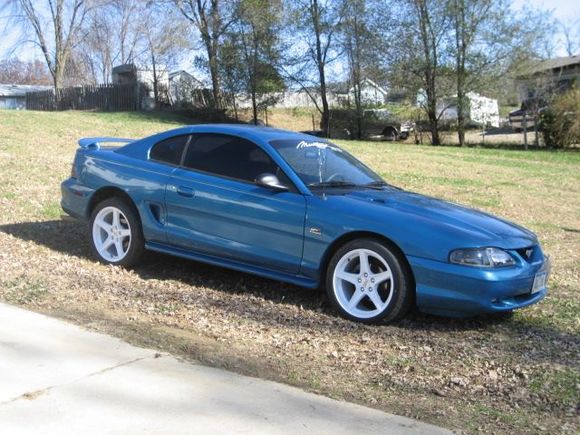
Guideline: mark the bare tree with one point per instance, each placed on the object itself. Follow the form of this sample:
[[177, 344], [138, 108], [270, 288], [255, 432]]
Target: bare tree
[[432, 24], [571, 36], [14, 71], [253, 51], [113, 34], [211, 19], [419, 55], [165, 36], [487, 43], [468, 16], [57, 34], [315, 24], [365, 44], [353, 29]]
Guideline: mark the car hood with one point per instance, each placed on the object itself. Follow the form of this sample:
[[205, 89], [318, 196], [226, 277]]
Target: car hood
[[463, 225]]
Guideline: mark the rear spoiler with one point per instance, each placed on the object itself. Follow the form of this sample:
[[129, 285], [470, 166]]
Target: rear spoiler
[[89, 143]]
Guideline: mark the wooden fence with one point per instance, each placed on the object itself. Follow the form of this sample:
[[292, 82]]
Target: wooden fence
[[100, 97]]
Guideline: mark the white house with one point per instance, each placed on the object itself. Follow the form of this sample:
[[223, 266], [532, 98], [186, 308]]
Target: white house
[[290, 99], [182, 87], [371, 94]]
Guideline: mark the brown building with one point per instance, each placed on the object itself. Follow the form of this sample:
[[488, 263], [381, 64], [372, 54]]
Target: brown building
[[549, 77]]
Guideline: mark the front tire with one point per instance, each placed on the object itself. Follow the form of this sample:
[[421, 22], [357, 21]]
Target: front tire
[[115, 233], [368, 282]]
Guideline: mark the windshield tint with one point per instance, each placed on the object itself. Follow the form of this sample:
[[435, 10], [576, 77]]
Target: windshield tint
[[323, 164]]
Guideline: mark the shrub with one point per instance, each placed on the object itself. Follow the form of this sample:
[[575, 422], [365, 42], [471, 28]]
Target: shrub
[[560, 123]]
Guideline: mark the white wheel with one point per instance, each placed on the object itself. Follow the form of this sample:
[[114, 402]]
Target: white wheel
[[369, 281], [363, 283], [111, 234]]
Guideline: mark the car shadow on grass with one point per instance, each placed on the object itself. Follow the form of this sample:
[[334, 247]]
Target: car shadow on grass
[[537, 341]]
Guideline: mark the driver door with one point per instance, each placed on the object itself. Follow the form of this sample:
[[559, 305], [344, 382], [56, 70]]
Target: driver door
[[214, 207]]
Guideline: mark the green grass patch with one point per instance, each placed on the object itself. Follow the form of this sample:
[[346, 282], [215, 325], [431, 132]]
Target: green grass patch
[[52, 210], [23, 291], [561, 385]]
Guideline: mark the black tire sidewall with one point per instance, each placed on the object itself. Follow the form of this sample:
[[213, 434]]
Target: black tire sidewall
[[137, 246], [402, 296]]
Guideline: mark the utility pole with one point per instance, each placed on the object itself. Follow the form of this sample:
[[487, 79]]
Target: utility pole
[[525, 125]]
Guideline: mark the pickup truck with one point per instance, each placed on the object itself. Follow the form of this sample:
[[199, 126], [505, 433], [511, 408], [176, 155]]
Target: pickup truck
[[530, 110], [377, 124]]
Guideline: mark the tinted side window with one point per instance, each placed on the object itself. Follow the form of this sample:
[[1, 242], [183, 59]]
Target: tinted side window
[[169, 150], [228, 156]]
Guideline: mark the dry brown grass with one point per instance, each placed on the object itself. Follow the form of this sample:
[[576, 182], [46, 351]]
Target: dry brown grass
[[516, 375]]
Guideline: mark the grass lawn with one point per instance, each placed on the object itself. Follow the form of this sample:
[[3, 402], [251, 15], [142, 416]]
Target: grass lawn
[[510, 375]]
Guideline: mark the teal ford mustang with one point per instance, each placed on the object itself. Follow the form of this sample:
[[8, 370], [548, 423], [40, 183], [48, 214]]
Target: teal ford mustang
[[297, 208]]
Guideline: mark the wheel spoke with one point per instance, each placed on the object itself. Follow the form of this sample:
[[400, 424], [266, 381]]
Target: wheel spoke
[[104, 225], [119, 248], [364, 263], [116, 218], [383, 276], [376, 299], [355, 299], [107, 243], [350, 277], [125, 233]]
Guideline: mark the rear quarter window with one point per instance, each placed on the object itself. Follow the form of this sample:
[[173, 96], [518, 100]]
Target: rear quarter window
[[169, 150]]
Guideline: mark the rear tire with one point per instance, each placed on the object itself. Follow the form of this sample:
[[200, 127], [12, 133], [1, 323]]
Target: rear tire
[[115, 234], [368, 282]]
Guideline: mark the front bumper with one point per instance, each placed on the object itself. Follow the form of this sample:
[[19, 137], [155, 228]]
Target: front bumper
[[459, 291]]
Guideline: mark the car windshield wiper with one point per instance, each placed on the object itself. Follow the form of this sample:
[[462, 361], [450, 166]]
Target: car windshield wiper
[[332, 184]]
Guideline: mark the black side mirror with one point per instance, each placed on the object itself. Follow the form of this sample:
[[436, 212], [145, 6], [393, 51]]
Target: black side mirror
[[270, 181]]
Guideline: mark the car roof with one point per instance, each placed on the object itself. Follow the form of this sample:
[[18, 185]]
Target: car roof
[[256, 132]]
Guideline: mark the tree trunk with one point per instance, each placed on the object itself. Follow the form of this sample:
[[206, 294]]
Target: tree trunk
[[460, 47], [254, 107], [432, 115], [434, 127], [461, 106], [320, 61], [325, 115], [214, 73]]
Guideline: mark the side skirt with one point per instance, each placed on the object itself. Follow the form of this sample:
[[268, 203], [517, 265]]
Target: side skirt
[[230, 264]]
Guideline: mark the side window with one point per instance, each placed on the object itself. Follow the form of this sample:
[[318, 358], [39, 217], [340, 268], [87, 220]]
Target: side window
[[228, 156], [169, 150]]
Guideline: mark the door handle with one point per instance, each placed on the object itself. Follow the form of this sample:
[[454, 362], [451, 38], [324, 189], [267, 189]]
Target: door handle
[[185, 191]]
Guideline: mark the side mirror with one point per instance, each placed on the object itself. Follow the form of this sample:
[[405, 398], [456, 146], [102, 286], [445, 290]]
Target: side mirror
[[270, 181]]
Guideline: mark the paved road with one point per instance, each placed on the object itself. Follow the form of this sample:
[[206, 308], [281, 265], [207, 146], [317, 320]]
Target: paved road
[[56, 378]]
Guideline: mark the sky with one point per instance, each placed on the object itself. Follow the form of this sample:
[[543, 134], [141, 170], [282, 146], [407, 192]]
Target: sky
[[563, 9], [567, 11]]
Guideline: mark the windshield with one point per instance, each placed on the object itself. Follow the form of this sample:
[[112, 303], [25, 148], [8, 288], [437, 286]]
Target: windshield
[[323, 164]]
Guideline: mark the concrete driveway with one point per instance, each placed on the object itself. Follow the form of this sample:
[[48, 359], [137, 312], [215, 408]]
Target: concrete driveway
[[58, 378]]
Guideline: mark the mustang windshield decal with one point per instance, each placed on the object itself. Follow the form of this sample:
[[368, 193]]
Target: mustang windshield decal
[[319, 145]]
